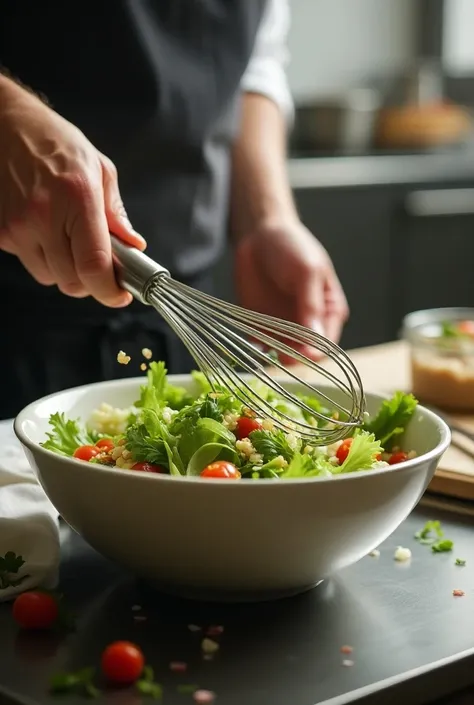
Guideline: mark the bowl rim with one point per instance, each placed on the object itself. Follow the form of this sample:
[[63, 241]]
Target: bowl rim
[[408, 465]]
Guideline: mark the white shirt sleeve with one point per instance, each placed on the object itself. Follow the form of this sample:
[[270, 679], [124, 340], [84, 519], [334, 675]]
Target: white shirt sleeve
[[265, 73]]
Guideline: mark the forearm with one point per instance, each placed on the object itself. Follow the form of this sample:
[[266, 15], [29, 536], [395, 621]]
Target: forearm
[[260, 191]]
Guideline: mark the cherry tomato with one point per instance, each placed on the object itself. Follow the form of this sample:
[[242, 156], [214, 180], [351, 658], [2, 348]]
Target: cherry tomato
[[86, 452], [245, 426], [396, 458], [466, 327], [148, 467], [343, 450], [105, 444], [122, 662], [221, 469], [35, 610]]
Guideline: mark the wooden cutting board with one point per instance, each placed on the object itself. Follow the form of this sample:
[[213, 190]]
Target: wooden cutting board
[[386, 368]]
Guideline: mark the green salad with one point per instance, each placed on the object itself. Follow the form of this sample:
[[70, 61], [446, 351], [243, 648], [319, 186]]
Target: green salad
[[211, 434]]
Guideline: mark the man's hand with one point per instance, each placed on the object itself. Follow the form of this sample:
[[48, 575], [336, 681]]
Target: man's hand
[[283, 271], [59, 198]]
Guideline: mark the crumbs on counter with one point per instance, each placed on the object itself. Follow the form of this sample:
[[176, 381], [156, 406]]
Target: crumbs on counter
[[215, 630], [346, 649], [123, 358], [209, 646], [178, 666], [375, 553], [402, 554], [204, 697], [458, 593]]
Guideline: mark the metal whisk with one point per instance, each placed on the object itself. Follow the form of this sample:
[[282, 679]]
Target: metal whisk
[[223, 338]]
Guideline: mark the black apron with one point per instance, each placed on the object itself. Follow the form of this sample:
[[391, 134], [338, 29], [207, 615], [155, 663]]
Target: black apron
[[154, 84]]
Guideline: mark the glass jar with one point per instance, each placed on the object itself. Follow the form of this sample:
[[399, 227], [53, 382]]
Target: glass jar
[[441, 345]]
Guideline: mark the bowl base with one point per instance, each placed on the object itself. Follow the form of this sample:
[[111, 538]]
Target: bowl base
[[226, 596]]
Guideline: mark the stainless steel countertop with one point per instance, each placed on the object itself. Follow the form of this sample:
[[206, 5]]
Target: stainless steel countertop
[[347, 171]]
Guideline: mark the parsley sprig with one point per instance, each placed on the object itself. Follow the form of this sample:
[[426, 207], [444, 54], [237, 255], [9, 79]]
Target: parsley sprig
[[148, 686], [80, 682], [433, 535]]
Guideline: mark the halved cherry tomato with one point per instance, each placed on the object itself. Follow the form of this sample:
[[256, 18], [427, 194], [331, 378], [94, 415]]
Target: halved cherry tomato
[[466, 327], [35, 610], [222, 469], [122, 662], [105, 444], [396, 458], [86, 452], [343, 450], [148, 467], [245, 426]]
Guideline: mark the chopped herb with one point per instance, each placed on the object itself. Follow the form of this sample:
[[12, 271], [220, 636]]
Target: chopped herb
[[79, 682], [10, 566], [460, 561], [187, 689], [272, 444], [147, 685], [443, 546], [425, 535]]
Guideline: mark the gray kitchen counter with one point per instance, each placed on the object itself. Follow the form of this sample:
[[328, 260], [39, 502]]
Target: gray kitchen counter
[[349, 171], [413, 640]]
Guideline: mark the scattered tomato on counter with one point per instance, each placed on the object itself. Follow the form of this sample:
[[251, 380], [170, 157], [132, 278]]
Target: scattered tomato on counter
[[122, 662], [245, 426], [35, 610], [221, 469]]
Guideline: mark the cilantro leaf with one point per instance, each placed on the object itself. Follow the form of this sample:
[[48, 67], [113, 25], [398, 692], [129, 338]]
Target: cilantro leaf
[[10, 566], [67, 435], [392, 418]]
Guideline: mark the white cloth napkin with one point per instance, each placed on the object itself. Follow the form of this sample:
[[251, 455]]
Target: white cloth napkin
[[28, 521]]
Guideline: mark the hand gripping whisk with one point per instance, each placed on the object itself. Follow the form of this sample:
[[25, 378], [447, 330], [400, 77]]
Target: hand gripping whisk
[[218, 335]]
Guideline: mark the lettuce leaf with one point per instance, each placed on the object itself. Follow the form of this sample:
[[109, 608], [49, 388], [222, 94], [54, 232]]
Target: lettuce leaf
[[67, 435], [392, 419], [362, 454]]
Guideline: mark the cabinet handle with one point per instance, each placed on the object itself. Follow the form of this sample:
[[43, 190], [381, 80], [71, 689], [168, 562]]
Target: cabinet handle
[[439, 202]]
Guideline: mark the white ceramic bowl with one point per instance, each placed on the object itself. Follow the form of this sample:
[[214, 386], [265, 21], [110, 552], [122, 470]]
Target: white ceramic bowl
[[212, 539]]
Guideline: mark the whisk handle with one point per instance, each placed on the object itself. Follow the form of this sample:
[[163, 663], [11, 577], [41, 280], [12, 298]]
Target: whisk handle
[[135, 271]]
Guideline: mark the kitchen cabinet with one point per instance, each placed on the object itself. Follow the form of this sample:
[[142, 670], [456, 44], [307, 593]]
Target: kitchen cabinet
[[353, 225], [432, 248]]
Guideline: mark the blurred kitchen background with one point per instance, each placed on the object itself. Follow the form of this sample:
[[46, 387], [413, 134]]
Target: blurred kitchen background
[[382, 153]]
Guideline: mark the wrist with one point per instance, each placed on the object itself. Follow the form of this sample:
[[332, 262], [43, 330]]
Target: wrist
[[263, 214]]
